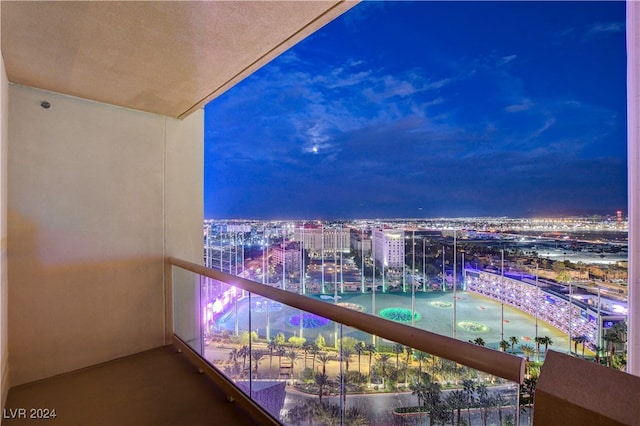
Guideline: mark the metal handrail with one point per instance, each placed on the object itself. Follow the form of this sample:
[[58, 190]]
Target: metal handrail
[[490, 361]]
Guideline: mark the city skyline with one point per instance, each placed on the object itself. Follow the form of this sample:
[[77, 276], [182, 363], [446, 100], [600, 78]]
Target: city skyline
[[429, 109]]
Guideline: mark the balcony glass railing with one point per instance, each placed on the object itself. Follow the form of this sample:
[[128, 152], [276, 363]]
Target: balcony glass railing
[[305, 361]]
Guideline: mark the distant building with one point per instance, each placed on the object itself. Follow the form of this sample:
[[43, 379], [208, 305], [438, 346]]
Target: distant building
[[360, 242], [290, 255], [388, 247], [316, 238]]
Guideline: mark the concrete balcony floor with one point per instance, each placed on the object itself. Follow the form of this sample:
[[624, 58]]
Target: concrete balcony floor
[[156, 387]]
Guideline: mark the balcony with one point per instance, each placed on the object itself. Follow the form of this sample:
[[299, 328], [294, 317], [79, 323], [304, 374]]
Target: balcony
[[98, 190], [194, 380]]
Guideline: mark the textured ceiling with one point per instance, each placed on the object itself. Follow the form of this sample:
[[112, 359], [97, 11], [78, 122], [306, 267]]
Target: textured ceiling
[[167, 58]]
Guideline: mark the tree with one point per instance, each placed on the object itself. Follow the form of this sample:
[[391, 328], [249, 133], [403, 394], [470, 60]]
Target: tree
[[456, 401], [371, 348], [280, 352], [615, 335], [297, 341], [271, 347], [504, 345], [478, 341], [307, 347], [546, 342], [485, 402], [320, 341], [581, 339], [469, 388], [527, 394], [431, 397], [324, 358], [397, 349], [513, 340], [233, 356], [420, 357], [527, 350], [538, 340], [408, 350], [382, 363], [321, 380], [499, 401], [314, 350], [360, 349], [293, 356], [244, 352], [257, 357], [347, 351]]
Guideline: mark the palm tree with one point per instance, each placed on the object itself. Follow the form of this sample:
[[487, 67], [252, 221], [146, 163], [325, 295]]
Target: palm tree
[[306, 348], [408, 350], [580, 339], [478, 341], [420, 356], [321, 380], [383, 359], [280, 352], [371, 348], [504, 345], [344, 380], [257, 356], [324, 358], [432, 397], [539, 340], [417, 389], [485, 402], [456, 400], [527, 350], [547, 342], [293, 356], [469, 388], [398, 349], [615, 335], [360, 348], [244, 352], [499, 401], [346, 355], [314, 350], [513, 340], [233, 356], [271, 346]]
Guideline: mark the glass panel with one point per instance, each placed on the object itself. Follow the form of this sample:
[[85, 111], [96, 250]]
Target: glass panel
[[187, 324], [296, 358], [390, 383], [305, 369], [227, 333]]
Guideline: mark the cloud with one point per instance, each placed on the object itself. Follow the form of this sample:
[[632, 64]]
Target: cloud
[[603, 29], [525, 105], [506, 59], [607, 27]]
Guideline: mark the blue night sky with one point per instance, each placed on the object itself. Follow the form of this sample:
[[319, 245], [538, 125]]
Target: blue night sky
[[429, 109]]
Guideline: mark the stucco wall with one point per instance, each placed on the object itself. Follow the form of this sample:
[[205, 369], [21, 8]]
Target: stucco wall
[[4, 346], [88, 204]]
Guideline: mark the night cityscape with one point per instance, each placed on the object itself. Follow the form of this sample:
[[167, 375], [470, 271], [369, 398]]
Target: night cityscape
[[496, 167], [563, 283]]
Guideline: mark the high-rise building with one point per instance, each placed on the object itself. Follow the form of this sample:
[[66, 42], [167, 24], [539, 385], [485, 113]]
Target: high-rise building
[[289, 255], [388, 247], [318, 238]]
